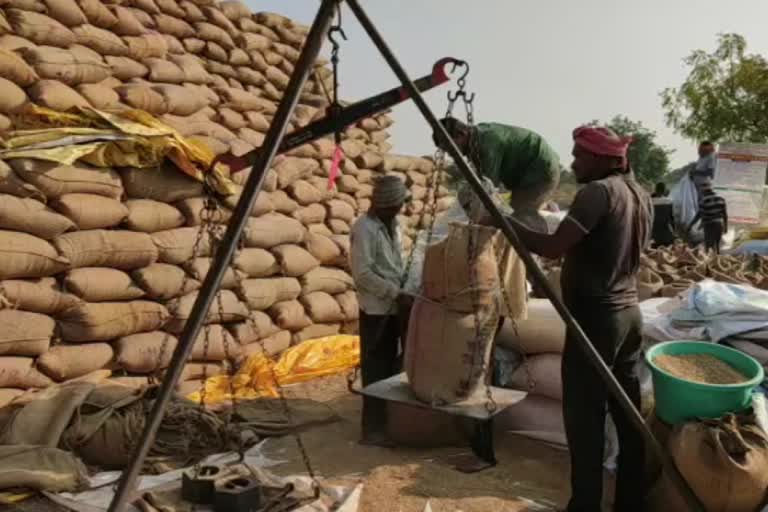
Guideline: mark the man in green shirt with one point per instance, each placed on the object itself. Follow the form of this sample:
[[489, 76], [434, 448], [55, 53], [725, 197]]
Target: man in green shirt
[[517, 158]]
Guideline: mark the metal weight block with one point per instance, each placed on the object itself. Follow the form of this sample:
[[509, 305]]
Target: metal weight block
[[241, 494], [199, 484]]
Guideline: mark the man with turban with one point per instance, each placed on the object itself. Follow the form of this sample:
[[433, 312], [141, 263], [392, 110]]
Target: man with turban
[[601, 238], [377, 268], [517, 158]]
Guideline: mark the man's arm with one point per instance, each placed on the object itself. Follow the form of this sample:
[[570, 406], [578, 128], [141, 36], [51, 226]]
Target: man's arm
[[362, 254]]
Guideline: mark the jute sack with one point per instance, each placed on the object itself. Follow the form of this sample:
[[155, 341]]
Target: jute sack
[[40, 29], [26, 256], [198, 268], [89, 211], [164, 71], [162, 281], [124, 68], [226, 308], [314, 332], [124, 250], [273, 229], [305, 193], [349, 305], [8, 395], [24, 334], [64, 362], [258, 327], [290, 315], [260, 294], [312, 214], [445, 359], [97, 13], [255, 262], [56, 96], [649, 283], [261, 206], [128, 24], [98, 284], [110, 320], [174, 26], [151, 216], [282, 203], [320, 229], [542, 332], [100, 40], [322, 308], [30, 216], [322, 248], [66, 12], [160, 184], [294, 261], [146, 46], [19, 372], [13, 67], [339, 227], [12, 97], [540, 375], [180, 101], [143, 97], [536, 417], [54, 180], [341, 210], [100, 96], [195, 371], [36, 295], [215, 343], [178, 245], [724, 461], [145, 352], [273, 345], [326, 279], [64, 66], [291, 169], [11, 184], [193, 69]]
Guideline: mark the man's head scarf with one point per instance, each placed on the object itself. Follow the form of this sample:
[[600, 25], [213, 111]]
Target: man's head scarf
[[389, 192], [603, 142]]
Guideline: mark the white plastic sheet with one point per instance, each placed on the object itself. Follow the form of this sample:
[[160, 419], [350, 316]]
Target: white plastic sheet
[[685, 204]]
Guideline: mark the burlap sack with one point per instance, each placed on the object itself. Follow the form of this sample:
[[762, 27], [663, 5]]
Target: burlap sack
[[217, 58], [210, 32], [348, 303], [36, 295], [282, 203], [291, 169], [64, 362], [56, 96], [143, 97], [326, 279], [198, 268], [178, 245], [162, 281], [124, 68], [256, 262], [100, 40], [314, 332], [26, 256], [98, 14], [101, 285], [322, 308], [536, 417], [40, 29], [260, 294], [261, 206], [146, 46], [235, 10], [55, 180], [162, 184], [215, 343], [66, 12], [273, 345], [5, 124], [18, 372], [31, 216], [447, 353], [240, 101], [194, 46], [322, 248], [8, 395], [110, 320], [128, 24], [340, 210], [258, 327], [100, 96], [193, 69], [12, 97], [231, 119], [24, 334], [145, 352], [543, 331], [174, 26], [66, 66], [202, 371], [180, 101], [339, 227], [151, 216], [13, 67], [89, 211], [312, 214], [540, 375], [290, 315], [273, 229], [226, 308], [649, 283], [294, 261], [124, 250]]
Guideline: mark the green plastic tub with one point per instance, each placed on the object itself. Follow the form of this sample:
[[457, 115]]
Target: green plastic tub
[[679, 400]]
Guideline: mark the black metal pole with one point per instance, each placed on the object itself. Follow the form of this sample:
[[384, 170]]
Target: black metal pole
[[226, 250], [539, 278]]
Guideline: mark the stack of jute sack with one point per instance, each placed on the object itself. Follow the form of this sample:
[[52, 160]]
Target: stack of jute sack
[[539, 338]]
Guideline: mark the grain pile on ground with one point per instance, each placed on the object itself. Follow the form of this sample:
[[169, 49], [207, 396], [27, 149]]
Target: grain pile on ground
[[702, 368]]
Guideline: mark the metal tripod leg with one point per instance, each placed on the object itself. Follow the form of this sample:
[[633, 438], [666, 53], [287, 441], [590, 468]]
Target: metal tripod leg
[[223, 256], [533, 269]]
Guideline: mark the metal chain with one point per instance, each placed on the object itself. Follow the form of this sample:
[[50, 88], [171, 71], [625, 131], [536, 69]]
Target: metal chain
[[335, 47]]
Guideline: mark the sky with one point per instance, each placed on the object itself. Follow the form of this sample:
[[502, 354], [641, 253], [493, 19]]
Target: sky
[[547, 65]]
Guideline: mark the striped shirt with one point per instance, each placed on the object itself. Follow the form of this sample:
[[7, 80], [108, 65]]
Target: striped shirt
[[712, 208]]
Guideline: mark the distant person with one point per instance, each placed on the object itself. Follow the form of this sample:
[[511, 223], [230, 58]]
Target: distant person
[[663, 231], [703, 170], [713, 214], [517, 158]]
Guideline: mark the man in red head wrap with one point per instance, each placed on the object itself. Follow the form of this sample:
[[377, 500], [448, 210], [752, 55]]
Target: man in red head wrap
[[601, 238]]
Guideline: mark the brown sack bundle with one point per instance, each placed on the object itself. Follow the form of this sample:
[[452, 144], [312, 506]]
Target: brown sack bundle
[[162, 281], [294, 261], [24, 334], [40, 29], [65, 66], [349, 305], [13, 67], [128, 22], [146, 46], [57, 96], [98, 14], [162, 184], [180, 101], [55, 180], [124, 68], [326, 279], [255, 262], [322, 248], [66, 12], [10, 183], [315, 331], [19, 372], [110, 320], [64, 362], [198, 268], [100, 40], [322, 308], [179, 245], [143, 97], [89, 211], [226, 308], [257, 327], [290, 315], [36, 295], [151, 216], [26, 256], [145, 352], [273, 229], [124, 250], [100, 96], [260, 294], [215, 343], [12, 97], [97, 284], [273, 345], [31, 216], [312, 214]]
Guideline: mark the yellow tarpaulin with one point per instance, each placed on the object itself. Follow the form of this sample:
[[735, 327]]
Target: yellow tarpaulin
[[311, 359]]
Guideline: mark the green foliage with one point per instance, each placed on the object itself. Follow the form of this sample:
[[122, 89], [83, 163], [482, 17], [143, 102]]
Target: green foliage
[[649, 160], [724, 97]]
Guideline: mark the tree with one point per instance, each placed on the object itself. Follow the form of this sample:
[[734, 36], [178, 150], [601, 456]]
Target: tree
[[724, 97], [649, 160]]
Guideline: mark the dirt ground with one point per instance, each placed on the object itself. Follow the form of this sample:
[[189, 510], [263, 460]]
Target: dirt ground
[[403, 480]]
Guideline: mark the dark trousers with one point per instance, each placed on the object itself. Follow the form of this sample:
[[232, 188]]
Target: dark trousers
[[617, 337], [379, 344], [713, 235]]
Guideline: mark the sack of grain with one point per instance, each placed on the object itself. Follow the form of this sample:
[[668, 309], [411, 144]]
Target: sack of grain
[[290, 315], [259, 326], [210, 32], [339, 227], [202, 371], [55, 180], [340, 210], [31, 216], [649, 283], [64, 362], [100, 96], [261, 206], [150, 216], [348, 303], [26, 256], [97, 284], [282, 203], [24, 334], [215, 343], [255, 262], [540, 375], [12, 97], [8, 395], [322, 248], [291, 169], [128, 23], [124, 250], [162, 184], [143, 97], [178, 245], [314, 332], [322, 308], [56, 96], [125, 68], [198, 268], [226, 308], [13, 67], [273, 229], [97, 13], [145, 352], [326, 279], [146, 46], [36, 295], [536, 417], [231, 119], [88, 211], [312, 214], [100, 40], [19, 372], [260, 294], [543, 331], [162, 281], [66, 66], [174, 26], [10, 183], [273, 345], [294, 261], [40, 29], [110, 320]]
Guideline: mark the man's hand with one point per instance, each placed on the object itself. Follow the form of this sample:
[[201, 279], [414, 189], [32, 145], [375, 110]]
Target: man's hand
[[404, 302]]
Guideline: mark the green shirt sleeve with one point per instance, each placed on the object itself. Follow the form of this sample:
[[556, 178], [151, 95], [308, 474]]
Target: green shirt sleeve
[[490, 153]]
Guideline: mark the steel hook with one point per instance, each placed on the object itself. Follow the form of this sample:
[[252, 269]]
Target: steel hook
[[332, 32]]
